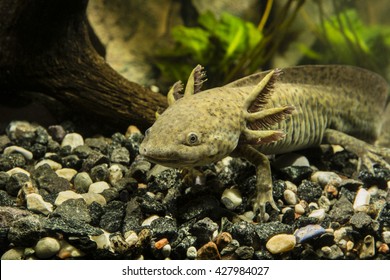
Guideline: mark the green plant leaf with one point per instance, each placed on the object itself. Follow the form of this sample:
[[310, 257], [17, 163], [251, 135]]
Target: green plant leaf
[[193, 40]]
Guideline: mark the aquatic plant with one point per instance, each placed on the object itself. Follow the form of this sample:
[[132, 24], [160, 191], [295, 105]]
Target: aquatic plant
[[228, 46]]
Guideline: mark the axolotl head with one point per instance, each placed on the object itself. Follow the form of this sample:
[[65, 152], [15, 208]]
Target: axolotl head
[[194, 131]]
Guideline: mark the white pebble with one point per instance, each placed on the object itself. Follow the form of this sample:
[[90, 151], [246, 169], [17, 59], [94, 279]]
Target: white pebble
[[66, 173], [291, 186], [47, 247], [313, 205], [149, 220], [281, 243], [16, 149], [13, 254], [386, 236], [65, 195], [98, 187], [131, 238], [35, 203], [231, 198], [17, 170], [103, 241], [166, 250], [94, 197], [53, 165], [290, 197], [73, 140], [115, 173], [362, 199], [191, 253], [373, 190], [318, 213], [298, 208], [69, 251], [326, 177]]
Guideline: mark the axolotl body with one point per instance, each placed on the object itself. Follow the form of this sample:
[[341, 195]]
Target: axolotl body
[[271, 112]]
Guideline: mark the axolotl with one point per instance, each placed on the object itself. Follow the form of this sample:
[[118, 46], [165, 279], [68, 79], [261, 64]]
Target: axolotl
[[271, 112]]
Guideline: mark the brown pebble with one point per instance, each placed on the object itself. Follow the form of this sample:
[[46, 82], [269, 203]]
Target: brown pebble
[[132, 130], [161, 243], [332, 190], [383, 248], [209, 251], [223, 239]]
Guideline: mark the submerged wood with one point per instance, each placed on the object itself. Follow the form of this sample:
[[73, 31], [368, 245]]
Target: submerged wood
[[45, 47]]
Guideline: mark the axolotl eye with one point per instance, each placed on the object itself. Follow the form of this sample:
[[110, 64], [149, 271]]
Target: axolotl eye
[[192, 139]]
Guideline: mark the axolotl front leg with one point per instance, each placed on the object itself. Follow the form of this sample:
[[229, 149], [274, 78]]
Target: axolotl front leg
[[256, 131]]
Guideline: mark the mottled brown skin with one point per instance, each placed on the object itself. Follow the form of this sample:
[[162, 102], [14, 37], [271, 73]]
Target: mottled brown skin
[[332, 104]]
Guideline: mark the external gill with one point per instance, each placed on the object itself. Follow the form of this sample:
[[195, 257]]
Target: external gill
[[259, 120]]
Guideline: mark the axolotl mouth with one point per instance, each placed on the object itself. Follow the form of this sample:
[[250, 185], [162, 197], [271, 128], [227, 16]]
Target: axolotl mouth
[[171, 159]]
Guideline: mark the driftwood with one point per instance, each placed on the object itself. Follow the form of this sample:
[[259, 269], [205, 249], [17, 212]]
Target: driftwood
[[45, 47]]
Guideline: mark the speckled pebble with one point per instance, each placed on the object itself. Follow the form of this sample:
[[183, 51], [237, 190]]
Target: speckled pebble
[[73, 140], [308, 232], [98, 187], [35, 203], [231, 198], [53, 165], [66, 173], [65, 195], [191, 253], [290, 197], [281, 243], [16, 149], [362, 200], [47, 247], [82, 181]]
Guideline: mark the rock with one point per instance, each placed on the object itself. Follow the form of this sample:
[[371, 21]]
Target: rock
[[25, 231], [47, 247], [266, 230], [17, 170], [230, 249], [115, 173], [82, 151], [57, 132], [53, 165], [73, 140], [8, 162], [290, 197], [326, 177], [112, 219], [231, 198], [13, 254], [20, 129], [94, 197], [368, 248], [290, 159], [4, 142], [295, 174], [131, 238], [139, 169], [6, 199], [98, 187], [309, 191], [333, 252], [28, 188], [69, 251], [97, 143], [120, 155], [65, 195], [298, 208], [308, 232], [245, 252], [15, 183], [341, 211], [191, 253], [223, 239], [67, 173], [281, 243], [244, 232], [166, 250], [198, 207], [48, 180], [204, 230], [148, 221], [208, 251], [100, 173], [35, 203], [16, 149], [103, 241], [324, 203], [164, 227], [73, 209], [386, 237], [82, 181], [95, 158], [318, 214], [4, 178], [362, 200], [70, 227], [361, 220]]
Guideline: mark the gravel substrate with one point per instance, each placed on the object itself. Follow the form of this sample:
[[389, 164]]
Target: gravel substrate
[[63, 196]]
